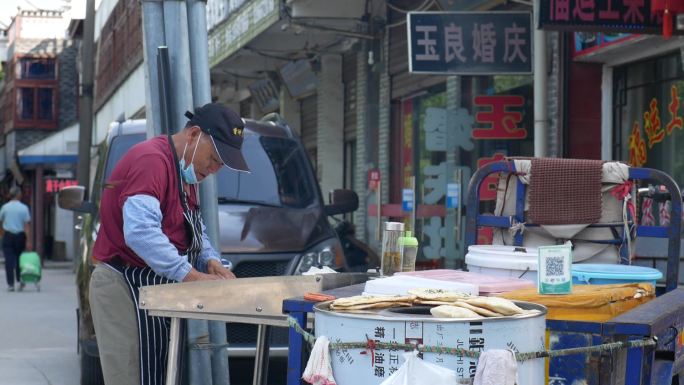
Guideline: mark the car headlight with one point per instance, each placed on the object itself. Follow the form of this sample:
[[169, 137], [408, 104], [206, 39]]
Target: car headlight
[[326, 253]]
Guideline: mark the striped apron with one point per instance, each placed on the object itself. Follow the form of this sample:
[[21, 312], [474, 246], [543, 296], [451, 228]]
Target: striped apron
[[153, 332]]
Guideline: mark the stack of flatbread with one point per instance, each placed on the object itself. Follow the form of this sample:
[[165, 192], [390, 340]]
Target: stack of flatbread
[[479, 307], [437, 296], [366, 302], [448, 304]]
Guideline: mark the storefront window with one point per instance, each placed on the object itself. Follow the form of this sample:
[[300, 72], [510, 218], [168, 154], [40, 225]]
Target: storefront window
[[440, 141], [649, 116]]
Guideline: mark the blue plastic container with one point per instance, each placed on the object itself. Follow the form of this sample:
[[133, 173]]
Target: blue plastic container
[[603, 274]]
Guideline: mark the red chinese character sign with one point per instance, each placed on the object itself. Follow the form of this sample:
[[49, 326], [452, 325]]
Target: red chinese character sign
[[499, 118], [653, 133], [609, 16], [54, 185], [488, 187], [470, 43]]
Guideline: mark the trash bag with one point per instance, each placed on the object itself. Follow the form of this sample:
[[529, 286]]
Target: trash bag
[[418, 372]]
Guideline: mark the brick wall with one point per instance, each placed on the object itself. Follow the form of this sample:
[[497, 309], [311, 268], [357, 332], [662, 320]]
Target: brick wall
[[119, 50], [68, 84]]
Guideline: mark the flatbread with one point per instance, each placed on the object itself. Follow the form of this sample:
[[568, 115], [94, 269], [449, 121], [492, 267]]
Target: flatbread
[[376, 305], [449, 311], [438, 295], [368, 299], [479, 310], [496, 304], [435, 303]]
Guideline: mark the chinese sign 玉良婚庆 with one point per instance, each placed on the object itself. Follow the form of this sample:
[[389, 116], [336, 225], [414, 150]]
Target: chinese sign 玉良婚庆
[[470, 43]]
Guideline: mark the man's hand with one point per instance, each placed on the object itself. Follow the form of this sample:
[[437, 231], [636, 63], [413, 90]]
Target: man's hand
[[215, 267], [195, 275]]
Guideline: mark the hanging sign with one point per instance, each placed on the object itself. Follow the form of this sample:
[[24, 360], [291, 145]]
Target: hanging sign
[[453, 195], [629, 16], [373, 179], [470, 43]]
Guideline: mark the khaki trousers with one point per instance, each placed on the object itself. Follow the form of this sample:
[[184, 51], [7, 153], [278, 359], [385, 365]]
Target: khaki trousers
[[116, 326]]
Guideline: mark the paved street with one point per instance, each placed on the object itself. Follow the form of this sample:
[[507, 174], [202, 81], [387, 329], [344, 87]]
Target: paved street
[[38, 331]]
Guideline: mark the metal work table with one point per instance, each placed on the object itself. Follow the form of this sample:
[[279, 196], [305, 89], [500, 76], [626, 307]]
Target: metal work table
[[256, 301]]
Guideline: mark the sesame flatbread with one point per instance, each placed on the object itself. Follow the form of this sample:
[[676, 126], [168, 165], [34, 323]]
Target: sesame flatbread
[[367, 306], [438, 295], [369, 299]]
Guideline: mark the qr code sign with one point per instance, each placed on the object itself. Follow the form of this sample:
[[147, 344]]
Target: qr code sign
[[554, 266]]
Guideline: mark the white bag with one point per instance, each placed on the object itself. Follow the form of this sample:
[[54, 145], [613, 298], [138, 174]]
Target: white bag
[[418, 372]]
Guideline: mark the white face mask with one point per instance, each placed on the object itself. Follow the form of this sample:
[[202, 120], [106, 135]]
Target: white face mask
[[188, 174]]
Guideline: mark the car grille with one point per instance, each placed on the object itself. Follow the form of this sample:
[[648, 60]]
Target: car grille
[[247, 334], [250, 269]]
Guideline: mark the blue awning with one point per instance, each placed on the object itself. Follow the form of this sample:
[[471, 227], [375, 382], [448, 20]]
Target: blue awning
[[47, 159]]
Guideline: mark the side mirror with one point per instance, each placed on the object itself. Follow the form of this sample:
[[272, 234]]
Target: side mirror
[[341, 202], [72, 198]]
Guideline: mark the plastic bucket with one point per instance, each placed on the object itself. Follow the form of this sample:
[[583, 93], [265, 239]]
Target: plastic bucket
[[604, 274], [503, 261]]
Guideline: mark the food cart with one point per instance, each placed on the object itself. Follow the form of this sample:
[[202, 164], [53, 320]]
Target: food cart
[[661, 319]]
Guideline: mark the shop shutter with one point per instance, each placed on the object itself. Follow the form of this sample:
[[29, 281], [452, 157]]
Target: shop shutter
[[309, 133], [349, 80], [403, 83]]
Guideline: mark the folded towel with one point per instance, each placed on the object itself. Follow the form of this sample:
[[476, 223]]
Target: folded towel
[[318, 370], [496, 367], [565, 191]]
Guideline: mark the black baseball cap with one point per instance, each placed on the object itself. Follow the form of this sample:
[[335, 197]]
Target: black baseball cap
[[226, 129]]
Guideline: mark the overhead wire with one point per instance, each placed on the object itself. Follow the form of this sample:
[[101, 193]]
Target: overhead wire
[[426, 5], [418, 8]]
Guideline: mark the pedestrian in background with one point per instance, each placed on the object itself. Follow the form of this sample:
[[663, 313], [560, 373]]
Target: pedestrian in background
[[16, 219]]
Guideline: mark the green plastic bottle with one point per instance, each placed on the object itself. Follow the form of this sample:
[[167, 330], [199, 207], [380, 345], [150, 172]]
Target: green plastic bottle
[[409, 251]]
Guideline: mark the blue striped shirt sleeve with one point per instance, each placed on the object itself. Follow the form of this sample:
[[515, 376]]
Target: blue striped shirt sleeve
[[142, 219]]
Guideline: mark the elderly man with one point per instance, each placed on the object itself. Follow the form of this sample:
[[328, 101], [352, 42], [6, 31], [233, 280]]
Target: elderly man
[[16, 219], [151, 233]]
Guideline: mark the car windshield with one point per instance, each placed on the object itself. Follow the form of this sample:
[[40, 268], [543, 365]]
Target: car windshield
[[279, 175]]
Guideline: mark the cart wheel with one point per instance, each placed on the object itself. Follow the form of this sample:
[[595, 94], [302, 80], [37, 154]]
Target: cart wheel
[[38, 286]]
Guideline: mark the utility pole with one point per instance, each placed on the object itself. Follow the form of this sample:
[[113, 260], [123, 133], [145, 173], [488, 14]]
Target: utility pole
[[167, 23], [541, 119], [153, 37], [86, 98], [201, 94]]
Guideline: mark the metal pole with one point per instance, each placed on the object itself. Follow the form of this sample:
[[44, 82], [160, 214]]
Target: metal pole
[[153, 35], [86, 99], [177, 39], [261, 357], [173, 354], [540, 78], [176, 33], [201, 94]]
